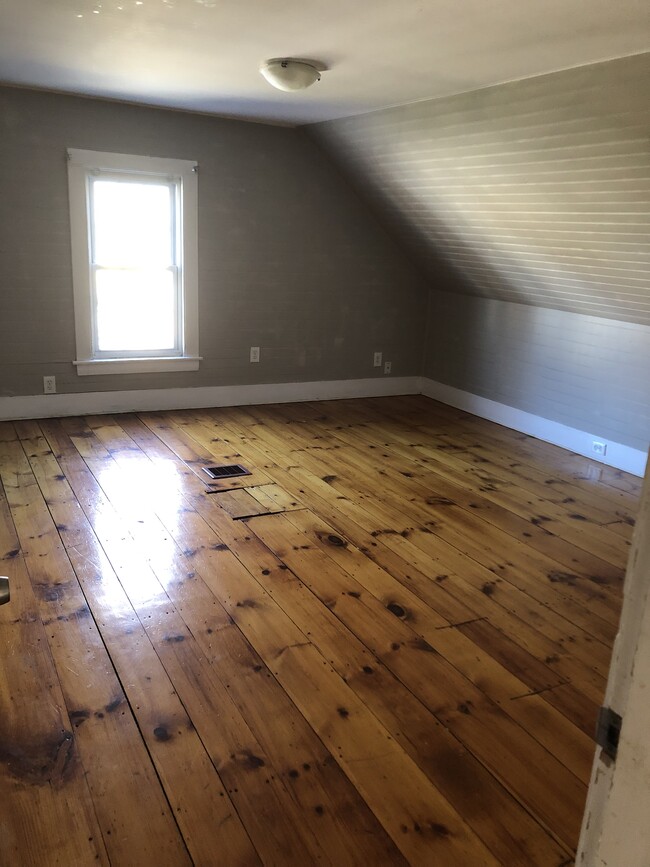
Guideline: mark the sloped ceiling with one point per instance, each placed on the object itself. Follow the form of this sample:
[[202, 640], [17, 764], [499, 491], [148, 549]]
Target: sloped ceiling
[[536, 191]]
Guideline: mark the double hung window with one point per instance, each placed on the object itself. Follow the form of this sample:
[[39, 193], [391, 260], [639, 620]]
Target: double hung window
[[134, 254]]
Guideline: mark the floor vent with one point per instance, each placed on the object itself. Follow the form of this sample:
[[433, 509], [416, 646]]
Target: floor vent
[[228, 471]]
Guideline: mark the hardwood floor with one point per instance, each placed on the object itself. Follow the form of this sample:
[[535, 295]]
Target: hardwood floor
[[387, 645]]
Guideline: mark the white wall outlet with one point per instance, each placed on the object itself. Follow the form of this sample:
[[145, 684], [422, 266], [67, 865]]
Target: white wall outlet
[[377, 359], [49, 385], [599, 448], [388, 366], [255, 353]]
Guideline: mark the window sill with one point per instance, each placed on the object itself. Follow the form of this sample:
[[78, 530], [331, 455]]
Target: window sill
[[98, 366]]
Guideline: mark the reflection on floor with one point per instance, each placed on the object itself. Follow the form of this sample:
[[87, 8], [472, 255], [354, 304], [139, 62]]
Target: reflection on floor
[[386, 645]]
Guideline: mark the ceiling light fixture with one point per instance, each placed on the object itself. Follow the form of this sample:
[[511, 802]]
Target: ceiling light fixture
[[289, 74]]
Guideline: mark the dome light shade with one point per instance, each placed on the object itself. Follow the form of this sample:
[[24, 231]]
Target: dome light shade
[[290, 74]]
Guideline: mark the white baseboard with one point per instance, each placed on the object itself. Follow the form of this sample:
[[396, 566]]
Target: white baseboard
[[618, 455], [104, 402]]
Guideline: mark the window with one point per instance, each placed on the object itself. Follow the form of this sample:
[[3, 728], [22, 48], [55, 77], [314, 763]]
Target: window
[[134, 262]]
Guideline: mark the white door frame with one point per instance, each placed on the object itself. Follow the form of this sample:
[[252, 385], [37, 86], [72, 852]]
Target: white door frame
[[616, 824]]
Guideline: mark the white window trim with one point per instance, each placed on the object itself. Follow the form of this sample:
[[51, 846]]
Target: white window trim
[[80, 164]]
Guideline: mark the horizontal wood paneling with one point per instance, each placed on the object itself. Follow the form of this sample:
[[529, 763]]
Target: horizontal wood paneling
[[488, 187], [583, 371]]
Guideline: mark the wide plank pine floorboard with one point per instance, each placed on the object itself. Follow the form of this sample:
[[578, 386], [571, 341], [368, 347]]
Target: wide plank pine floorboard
[[387, 645]]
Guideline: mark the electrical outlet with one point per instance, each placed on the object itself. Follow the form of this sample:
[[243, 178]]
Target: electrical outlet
[[388, 366], [49, 385], [599, 448], [255, 353], [377, 359]]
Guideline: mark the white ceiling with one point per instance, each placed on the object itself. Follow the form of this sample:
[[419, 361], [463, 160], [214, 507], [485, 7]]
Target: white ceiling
[[203, 55]]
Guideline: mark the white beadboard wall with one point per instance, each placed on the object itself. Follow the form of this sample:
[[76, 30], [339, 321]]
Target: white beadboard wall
[[586, 372], [536, 191]]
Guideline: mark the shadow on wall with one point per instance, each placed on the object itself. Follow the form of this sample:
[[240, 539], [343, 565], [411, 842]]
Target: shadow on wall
[[462, 344], [451, 265]]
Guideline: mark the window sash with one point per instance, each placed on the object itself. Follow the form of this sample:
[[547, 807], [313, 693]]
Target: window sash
[[173, 350], [174, 186]]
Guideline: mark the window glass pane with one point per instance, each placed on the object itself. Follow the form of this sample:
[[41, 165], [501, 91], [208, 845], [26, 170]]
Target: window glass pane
[[136, 310], [132, 224]]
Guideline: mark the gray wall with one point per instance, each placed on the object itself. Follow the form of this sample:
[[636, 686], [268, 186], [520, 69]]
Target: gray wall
[[503, 192], [583, 371], [290, 258], [528, 205]]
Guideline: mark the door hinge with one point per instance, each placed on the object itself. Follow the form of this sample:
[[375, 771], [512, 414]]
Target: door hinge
[[608, 731]]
